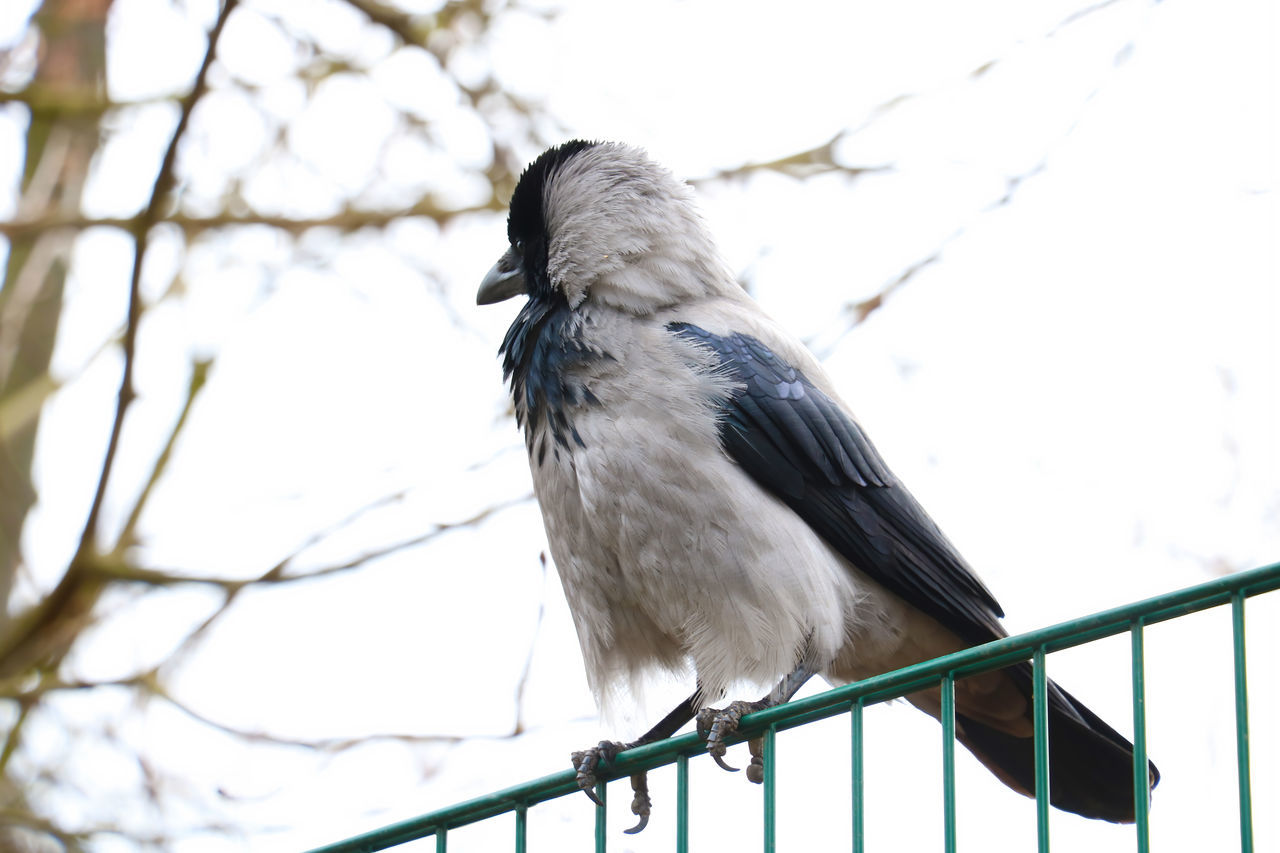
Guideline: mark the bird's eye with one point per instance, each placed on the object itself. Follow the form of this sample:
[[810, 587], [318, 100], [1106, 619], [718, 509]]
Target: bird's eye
[[520, 246]]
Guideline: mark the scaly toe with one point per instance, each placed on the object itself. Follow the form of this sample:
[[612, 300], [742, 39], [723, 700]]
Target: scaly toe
[[716, 725], [586, 761], [640, 805], [755, 771]]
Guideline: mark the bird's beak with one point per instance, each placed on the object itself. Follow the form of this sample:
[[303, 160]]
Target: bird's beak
[[503, 281]]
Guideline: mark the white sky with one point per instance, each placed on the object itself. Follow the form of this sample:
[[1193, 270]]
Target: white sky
[[1084, 391]]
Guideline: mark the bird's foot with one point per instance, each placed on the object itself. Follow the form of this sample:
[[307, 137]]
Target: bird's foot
[[755, 770], [585, 763], [640, 803], [714, 725]]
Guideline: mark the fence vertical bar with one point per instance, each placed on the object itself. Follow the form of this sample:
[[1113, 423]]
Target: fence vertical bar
[[521, 821], [770, 789], [855, 733], [1242, 723], [602, 838], [1141, 784], [442, 840], [1040, 711], [949, 762], [682, 804]]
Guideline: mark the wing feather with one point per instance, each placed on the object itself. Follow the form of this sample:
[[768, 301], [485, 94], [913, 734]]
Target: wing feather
[[802, 446]]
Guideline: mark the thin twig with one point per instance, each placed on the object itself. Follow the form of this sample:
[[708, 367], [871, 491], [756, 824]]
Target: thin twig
[[523, 684], [128, 535], [335, 744], [351, 219], [159, 197], [115, 569]]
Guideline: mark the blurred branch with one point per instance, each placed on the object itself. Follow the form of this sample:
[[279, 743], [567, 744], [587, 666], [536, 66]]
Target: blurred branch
[[410, 28], [70, 841], [416, 29], [20, 407], [57, 156], [44, 633], [28, 695], [128, 535], [857, 312], [818, 160], [277, 573], [347, 220], [69, 103], [151, 215], [150, 684], [13, 737], [115, 569], [860, 310], [523, 683], [32, 652], [440, 34], [337, 744], [1080, 13]]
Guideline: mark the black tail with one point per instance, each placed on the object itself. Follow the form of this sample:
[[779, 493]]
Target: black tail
[[1090, 764]]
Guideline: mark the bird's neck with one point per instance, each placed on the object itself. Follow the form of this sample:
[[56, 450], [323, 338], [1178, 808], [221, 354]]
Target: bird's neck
[[543, 353]]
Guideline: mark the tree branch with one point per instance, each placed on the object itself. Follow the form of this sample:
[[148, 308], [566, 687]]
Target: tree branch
[[46, 631], [115, 569], [128, 535], [351, 219], [159, 196]]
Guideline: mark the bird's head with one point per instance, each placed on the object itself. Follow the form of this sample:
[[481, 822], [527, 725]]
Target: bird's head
[[600, 221]]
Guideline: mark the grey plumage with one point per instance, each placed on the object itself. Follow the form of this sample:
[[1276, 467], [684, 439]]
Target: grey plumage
[[710, 501]]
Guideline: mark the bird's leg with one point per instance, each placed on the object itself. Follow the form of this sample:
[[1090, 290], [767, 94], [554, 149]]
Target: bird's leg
[[586, 761], [714, 725]]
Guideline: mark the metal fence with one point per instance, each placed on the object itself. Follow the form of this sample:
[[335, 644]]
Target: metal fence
[[852, 699]]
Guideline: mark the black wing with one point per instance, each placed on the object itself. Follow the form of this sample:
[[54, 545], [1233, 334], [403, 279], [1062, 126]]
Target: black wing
[[799, 444]]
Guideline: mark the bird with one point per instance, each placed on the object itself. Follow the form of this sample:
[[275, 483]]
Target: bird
[[712, 506]]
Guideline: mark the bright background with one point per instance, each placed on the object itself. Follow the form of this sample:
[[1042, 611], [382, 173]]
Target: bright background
[[1071, 209]]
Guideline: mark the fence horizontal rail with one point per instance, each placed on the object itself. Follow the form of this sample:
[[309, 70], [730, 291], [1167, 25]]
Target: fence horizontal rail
[[880, 688]]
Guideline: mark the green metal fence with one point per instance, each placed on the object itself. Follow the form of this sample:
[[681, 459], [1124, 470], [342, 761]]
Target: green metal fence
[[852, 699]]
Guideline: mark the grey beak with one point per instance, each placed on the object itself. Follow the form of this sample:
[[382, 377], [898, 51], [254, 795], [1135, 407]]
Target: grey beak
[[504, 280]]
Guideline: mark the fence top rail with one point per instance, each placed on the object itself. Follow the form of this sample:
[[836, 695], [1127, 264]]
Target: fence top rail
[[879, 688]]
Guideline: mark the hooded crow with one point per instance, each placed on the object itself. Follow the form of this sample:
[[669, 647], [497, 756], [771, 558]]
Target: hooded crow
[[712, 505]]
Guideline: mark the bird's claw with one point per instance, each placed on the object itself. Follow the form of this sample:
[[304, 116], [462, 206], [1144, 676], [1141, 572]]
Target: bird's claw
[[714, 725], [585, 763], [722, 764], [640, 804]]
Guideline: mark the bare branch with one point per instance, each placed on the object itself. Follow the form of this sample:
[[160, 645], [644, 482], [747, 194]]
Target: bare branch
[[159, 197], [128, 535], [115, 569], [410, 29], [351, 219], [819, 160], [46, 631], [277, 573], [14, 737], [860, 310], [331, 745], [523, 683], [64, 103]]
